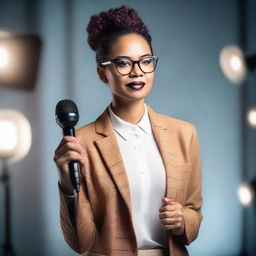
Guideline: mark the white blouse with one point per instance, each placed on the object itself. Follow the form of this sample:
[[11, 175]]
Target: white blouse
[[146, 176]]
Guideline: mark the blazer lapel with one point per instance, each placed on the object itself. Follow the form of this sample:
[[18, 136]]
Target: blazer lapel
[[166, 144], [110, 152]]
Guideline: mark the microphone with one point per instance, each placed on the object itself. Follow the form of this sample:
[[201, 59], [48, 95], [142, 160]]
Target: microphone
[[66, 114]]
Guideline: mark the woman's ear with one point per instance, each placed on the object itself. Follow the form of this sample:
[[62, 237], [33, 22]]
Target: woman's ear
[[102, 74]]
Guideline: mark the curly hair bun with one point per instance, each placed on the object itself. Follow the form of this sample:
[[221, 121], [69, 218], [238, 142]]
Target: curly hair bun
[[118, 19]]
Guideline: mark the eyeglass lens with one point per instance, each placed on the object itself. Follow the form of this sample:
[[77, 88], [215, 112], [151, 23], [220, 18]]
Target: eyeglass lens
[[125, 66]]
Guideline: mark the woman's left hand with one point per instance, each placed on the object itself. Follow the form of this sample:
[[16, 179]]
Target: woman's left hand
[[171, 216]]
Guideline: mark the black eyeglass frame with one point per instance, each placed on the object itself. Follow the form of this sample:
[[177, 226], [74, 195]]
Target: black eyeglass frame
[[114, 61]]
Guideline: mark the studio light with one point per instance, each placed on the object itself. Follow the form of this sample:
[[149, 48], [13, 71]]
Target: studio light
[[19, 60], [15, 135], [251, 117], [245, 194], [234, 64]]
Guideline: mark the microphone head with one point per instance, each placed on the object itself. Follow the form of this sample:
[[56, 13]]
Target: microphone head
[[66, 114]]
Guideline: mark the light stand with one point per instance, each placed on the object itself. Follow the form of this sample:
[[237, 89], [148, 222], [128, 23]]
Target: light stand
[[15, 143], [8, 249]]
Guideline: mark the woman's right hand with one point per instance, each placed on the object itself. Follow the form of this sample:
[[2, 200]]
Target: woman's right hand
[[68, 150]]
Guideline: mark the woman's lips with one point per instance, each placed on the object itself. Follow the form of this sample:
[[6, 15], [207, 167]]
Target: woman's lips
[[136, 85]]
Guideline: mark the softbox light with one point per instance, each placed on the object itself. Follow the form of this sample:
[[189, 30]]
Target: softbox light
[[19, 61]]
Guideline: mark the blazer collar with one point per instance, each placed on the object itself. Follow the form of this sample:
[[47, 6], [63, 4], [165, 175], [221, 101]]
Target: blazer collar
[[103, 123]]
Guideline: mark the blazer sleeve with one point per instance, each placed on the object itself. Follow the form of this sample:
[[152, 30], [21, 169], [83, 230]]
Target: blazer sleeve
[[192, 207], [76, 220]]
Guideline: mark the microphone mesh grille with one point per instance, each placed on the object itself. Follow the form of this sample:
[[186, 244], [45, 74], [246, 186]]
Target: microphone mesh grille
[[66, 106]]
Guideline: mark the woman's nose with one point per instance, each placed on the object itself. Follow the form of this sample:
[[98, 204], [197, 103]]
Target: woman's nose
[[136, 71]]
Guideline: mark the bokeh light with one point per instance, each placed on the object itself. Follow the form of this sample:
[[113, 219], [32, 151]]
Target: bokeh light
[[245, 194]]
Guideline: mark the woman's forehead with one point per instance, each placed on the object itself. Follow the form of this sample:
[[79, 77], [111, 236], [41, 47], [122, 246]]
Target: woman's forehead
[[131, 45]]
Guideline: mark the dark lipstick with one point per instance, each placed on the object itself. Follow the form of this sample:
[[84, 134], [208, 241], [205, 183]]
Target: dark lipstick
[[137, 85]]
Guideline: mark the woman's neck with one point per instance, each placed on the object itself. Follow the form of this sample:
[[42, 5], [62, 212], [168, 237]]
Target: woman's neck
[[131, 112]]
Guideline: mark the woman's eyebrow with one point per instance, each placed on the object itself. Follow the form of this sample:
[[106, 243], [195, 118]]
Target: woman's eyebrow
[[127, 57], [122, 57], [145, 55]]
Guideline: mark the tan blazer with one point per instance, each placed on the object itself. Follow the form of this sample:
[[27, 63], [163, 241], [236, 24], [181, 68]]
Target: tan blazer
[[103, 209]]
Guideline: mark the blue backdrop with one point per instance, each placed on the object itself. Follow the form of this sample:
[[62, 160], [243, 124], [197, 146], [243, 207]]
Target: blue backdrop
[[189, 85]]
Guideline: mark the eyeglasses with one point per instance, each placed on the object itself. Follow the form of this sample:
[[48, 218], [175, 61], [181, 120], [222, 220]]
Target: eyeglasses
[[125, 65]]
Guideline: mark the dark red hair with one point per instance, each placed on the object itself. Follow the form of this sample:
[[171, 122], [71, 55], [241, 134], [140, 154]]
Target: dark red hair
[[104, 28]]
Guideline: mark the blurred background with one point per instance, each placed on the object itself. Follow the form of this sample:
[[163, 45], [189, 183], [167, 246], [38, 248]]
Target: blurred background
[[188, 37]]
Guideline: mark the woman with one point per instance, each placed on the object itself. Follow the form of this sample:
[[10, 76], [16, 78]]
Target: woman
[[140, 171]]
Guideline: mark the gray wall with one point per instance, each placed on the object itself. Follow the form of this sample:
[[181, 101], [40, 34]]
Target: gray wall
[[189, 85]]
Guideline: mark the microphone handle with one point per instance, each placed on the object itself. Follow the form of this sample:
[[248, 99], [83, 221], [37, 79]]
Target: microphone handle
[[69, 132], [74, 166]]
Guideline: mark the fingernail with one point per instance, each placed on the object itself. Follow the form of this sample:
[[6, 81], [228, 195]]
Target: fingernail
[[165, 200]]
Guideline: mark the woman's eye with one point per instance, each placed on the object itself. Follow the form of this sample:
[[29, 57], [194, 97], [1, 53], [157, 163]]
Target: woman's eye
[[122, 63], [146, 61]]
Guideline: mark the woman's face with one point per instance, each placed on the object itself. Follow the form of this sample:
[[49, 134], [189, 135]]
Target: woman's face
[[123, 87]]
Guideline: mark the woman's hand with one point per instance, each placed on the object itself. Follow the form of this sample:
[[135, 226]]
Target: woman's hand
[[171, 216], [68, 150]]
